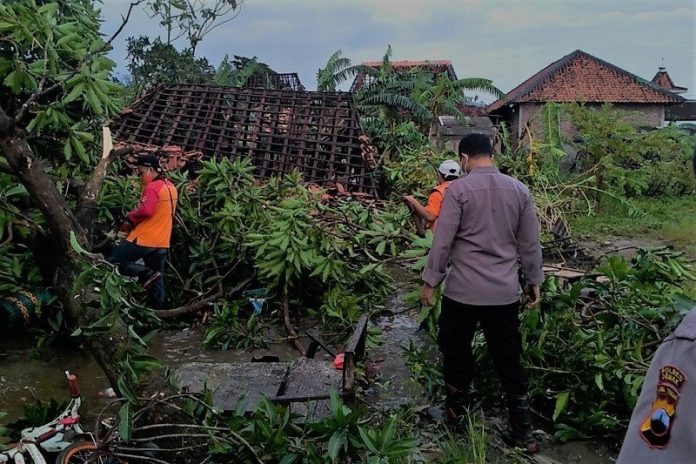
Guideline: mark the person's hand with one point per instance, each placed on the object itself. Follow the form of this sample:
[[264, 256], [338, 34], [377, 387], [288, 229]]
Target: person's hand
[[408, 199], [124, 229], [534, 294], [426, 295]]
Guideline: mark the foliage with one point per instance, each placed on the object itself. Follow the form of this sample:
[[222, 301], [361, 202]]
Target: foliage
[[391, 97], [589, 346], [54, 49], [559, 194], [35, 414], [426, 369], [472, 450], [628, 161], [153, 62], [227, 329], [443, 96], [337, 70], [193, 19], [672, 220]]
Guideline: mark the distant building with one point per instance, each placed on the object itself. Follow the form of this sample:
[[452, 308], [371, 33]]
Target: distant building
[[663, 80], [403, 67], [683, 114], [581, 77]]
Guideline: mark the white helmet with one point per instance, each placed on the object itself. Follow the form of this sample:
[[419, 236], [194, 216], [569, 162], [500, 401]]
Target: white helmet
[[450, 168]]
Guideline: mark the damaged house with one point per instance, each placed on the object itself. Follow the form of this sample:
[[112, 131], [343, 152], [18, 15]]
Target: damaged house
[[316, 133]]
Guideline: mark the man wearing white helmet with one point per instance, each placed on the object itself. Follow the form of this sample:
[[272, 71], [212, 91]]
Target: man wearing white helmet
[[425, 216]]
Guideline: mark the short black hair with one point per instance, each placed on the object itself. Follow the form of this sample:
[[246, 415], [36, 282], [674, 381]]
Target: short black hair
[[475, 145], [449, 178]]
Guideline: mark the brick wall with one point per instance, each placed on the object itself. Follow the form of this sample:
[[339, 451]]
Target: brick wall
[[646, 115]]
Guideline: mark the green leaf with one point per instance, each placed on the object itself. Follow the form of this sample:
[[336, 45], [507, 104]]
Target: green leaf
[[561, 403], [75, 93], [76, 245], [125, 423], [126, 390], [336, 443]]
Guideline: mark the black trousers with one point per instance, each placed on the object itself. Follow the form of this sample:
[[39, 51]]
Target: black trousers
[[126, 254], [501, 329]]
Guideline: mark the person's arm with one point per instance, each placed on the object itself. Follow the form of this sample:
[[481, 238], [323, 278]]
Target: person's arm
[[529, 249], [147, 206], [421, 211], [448, 225]]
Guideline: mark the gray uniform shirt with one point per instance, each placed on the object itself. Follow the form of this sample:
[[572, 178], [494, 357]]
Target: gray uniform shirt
[[487, 220], [663, 424]]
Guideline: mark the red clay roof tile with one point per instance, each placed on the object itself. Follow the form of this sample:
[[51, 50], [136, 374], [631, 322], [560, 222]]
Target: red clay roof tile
[[663, 79], [580, 76]]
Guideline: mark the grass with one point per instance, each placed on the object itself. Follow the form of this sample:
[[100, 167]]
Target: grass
[[664, 219]]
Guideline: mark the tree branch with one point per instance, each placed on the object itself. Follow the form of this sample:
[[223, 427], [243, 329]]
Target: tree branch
[[43, 190], [199, 305], [85, 209], [39, 93]]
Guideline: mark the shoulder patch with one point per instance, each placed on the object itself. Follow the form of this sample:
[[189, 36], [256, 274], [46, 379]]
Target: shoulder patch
[[657, 427]]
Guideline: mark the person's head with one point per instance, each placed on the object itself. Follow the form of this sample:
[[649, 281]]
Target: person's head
[[449, 170], [148, 167], [476, 149]]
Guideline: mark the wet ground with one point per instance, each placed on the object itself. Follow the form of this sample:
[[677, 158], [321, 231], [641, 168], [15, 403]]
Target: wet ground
[[24, 375], [395, 389]]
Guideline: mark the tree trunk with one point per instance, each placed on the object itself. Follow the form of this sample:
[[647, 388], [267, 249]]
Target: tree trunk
[[61, 224]]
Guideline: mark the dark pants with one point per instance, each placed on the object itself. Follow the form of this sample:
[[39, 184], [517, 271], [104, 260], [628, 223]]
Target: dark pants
[[126, 254], [501, 329]]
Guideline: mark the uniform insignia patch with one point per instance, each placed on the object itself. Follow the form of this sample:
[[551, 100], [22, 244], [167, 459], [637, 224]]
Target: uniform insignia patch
[[657, 427]]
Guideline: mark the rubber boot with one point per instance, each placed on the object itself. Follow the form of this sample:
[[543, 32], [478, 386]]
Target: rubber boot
[[456, 404], [520, 432]]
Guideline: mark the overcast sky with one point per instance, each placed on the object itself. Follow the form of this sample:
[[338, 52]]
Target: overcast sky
[[503, 40]]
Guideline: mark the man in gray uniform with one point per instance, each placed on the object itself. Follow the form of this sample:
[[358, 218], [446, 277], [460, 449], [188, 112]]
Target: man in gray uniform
[[488, 221], [663, 424]]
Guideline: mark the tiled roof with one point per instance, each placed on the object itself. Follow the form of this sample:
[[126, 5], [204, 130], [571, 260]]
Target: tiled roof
[[434, 66], [663, 79], [580, 76]]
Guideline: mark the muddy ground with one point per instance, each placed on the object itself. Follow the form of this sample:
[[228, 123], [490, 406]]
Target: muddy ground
[[25, 375]]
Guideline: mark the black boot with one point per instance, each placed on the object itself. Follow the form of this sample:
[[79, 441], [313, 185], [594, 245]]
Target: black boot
[[520, 431], [456, 404]]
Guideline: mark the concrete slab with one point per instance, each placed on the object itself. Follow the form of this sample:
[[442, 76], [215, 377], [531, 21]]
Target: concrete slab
[[229, 382]]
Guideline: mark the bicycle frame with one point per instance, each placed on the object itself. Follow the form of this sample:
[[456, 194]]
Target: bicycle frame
[[50, 437]]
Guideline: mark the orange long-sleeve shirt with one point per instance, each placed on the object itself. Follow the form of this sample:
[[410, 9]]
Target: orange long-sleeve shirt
[[154, 216]]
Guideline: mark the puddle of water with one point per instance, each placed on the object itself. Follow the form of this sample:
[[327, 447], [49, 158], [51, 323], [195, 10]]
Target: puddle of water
[[24, 375]]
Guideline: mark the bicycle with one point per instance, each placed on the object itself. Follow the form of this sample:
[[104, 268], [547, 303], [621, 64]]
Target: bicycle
[[54, 437]]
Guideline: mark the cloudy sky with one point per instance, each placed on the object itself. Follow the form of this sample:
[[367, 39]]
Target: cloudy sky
[[503, 40]]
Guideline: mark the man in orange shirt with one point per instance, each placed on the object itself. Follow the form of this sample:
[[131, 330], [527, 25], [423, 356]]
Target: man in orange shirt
[[147, 230], [425, 216]]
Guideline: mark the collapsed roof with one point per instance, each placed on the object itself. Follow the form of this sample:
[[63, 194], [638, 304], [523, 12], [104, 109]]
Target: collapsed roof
[[279, 81], [317, 133]]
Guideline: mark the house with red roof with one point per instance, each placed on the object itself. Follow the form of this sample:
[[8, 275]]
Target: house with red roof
[[581, 77], [663, 80]]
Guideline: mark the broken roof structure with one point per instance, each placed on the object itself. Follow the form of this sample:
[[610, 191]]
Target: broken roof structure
[[317, 133], [279, 81], [405, 66]]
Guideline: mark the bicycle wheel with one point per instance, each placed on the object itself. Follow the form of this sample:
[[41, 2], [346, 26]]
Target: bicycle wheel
[[77, 453]]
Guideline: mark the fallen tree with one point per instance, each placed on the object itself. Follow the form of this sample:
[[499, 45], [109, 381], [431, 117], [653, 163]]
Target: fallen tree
[[56, 91]]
